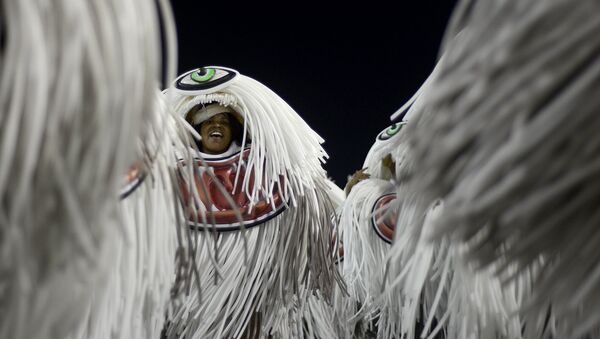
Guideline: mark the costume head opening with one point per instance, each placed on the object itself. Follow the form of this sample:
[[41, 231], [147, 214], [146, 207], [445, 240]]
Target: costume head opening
[[218, 127]]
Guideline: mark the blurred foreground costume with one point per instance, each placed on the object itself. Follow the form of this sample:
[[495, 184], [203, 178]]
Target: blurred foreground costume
[[509, 141], [85, 254], [398, 279], [264, 221]]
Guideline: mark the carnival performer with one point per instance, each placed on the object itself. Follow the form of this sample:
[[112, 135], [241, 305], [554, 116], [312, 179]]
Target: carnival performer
[[401, 284], [366, 227], [264, 218]]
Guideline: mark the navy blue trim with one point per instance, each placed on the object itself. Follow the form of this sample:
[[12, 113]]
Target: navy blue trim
[[383, 136], [194, 226], [207, 158], [384, 238], [141, 178], [203, 86]]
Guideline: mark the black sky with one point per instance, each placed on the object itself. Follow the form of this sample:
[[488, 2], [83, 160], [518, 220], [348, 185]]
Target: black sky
[[344, 71]]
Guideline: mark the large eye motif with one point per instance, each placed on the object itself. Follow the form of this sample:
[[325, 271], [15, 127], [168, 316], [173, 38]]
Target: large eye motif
[[391, 131], [203, 75], [205, 80]]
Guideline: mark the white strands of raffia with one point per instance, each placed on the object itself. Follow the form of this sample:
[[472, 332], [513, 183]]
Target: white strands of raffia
[[408, 263], [422, 275], [513, 149], [362, 307], [439, 296], [364, 255], [310, 314], [411, 267], [336, 194], [286, 256], [77, 87], [320, 319], [314, 317], [475, 304], [434, 296]]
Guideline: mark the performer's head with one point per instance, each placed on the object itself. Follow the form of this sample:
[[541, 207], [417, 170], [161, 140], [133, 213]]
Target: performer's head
[[217, 125]]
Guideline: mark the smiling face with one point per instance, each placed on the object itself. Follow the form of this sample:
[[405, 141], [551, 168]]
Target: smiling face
[[216, 134]]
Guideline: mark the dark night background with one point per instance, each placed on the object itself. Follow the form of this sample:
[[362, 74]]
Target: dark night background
[[344, 71]]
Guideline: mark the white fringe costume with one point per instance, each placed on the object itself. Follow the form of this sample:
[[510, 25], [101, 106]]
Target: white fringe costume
[[259, 270], [363, 264], [509, 141], [364, 250], [366, 265], [79, 99]]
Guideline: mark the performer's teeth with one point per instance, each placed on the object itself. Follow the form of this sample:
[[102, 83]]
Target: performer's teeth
[[216, 134]]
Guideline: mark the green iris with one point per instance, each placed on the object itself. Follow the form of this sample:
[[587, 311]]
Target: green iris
[[197, 77], [392, 130]]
